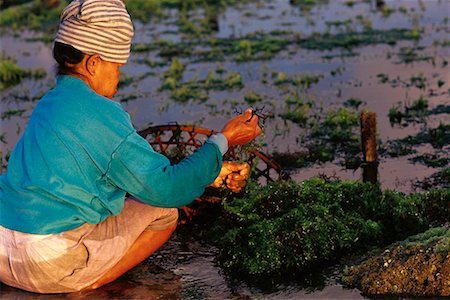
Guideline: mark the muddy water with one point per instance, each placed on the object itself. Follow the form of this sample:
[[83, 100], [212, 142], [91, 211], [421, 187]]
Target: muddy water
[[185, 269]]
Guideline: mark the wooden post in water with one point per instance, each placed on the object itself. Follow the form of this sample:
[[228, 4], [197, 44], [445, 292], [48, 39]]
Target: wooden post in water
[[369, 146]]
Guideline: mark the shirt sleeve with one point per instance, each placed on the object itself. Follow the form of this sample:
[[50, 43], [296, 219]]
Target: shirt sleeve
[[150, 177], [221, 141]]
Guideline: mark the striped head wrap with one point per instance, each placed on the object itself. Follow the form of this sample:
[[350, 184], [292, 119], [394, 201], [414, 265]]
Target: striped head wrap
[[101, 27]]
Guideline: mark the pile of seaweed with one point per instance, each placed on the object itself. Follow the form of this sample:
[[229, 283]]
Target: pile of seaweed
[[417, 266], [286, 229]]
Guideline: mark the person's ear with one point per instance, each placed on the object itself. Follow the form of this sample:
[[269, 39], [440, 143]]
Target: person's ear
[[92, 63]]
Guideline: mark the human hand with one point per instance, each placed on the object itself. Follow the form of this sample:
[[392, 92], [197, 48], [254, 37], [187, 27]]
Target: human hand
[[234, 175], [242, 129]]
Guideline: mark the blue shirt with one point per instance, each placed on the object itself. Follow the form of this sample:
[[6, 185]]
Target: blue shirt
[[78, 158]]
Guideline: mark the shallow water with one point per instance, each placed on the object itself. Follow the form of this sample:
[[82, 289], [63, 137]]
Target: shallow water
[[357, 76], [197, 275], [185, 269]]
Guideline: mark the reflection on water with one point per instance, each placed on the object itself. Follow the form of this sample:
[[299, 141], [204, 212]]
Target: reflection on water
[[202, 279]]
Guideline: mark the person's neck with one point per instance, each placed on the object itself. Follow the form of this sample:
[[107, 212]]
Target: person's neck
[[83, 77]]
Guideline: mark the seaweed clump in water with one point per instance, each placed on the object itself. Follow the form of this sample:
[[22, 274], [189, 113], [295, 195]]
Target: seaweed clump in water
[[286, 229], [349, 40], [11, 74], [329, 135], [37, 15]]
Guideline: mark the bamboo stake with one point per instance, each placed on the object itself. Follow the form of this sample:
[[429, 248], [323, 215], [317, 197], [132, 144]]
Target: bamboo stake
[[369, 146]]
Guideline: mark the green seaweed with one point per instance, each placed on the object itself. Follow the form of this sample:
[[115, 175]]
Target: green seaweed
[[143, 10], [35, 15], [307, 5], [187, 92], [438, 137], [431, 160], [409, 55], [252, 98], [298, 110], [416, 112], [12, 113], [328, 41], [11, 74], [265, 45], [304, 81], [176, 70], [328, 135], [353, 102], [197, 89], [3, 137], [419, 81], [445, 173], [230, 81], [288, 228]]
